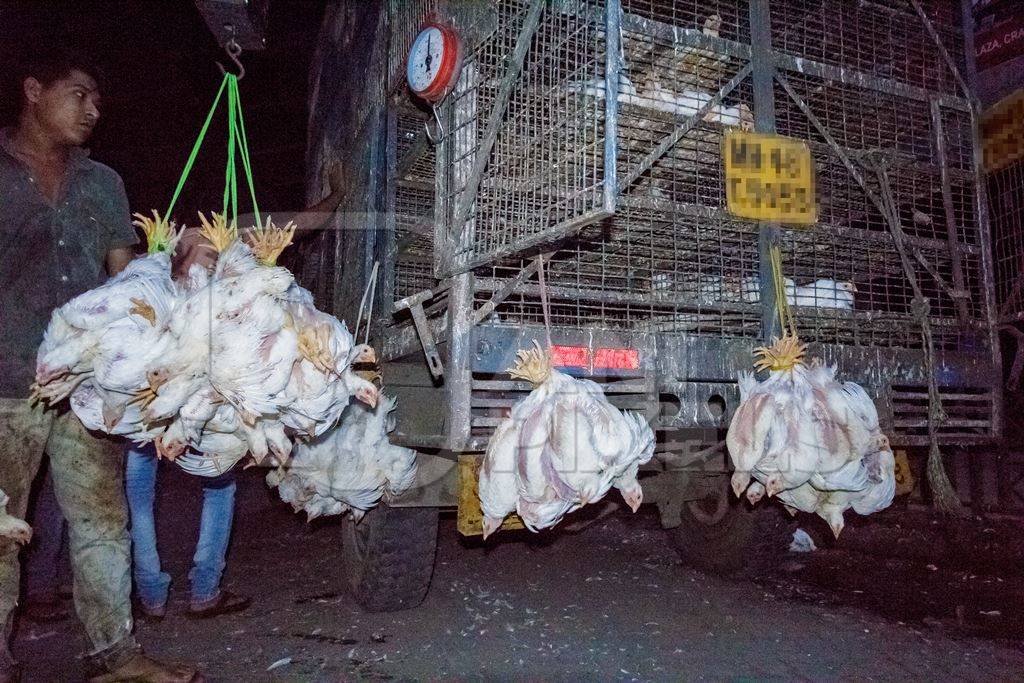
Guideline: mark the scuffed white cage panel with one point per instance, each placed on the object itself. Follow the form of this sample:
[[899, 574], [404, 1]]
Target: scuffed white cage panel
[[545, 171]]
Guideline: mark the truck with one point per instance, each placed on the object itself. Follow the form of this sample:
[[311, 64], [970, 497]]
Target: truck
[[570, 185]]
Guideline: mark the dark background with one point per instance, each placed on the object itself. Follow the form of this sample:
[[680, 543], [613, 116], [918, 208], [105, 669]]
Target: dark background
[[160, 76]]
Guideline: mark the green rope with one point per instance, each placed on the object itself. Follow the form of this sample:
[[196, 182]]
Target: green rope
[[230, 174], [238, 146], [244, 147], [195, 148]]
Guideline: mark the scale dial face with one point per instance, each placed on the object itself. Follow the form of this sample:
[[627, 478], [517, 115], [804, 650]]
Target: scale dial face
[[433, 59]]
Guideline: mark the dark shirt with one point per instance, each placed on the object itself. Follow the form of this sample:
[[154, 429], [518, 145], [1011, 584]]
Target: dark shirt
[[51, 253]]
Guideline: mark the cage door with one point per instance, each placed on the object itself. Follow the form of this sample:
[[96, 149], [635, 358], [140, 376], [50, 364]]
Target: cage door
[[527, 154]]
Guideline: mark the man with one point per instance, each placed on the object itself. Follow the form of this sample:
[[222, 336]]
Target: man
[[151, 582], [64, 227]]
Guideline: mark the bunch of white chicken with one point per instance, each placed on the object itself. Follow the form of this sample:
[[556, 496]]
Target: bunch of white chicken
[[228, 363], [821, 293], [350, 468], [562, 447], [810, 441]]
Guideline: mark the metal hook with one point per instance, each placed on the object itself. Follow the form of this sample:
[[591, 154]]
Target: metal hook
[[440, 128], [234, 51]]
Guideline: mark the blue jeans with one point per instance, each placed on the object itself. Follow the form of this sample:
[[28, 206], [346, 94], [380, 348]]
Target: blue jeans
[[214, 532]]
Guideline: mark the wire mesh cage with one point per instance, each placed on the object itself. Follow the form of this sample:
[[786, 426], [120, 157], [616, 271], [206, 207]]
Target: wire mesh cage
[[603, 153], [859, 81], [414, 204]]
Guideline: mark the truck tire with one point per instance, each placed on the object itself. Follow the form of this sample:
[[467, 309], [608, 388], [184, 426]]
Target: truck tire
[[715, 535], [388, 557]]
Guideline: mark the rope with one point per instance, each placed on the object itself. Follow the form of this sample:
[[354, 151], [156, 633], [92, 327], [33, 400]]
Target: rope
[[787, 322], [244, 148], [544, 300], [370, 291], [944, 496], [195, 148], [238, 146], [230, 173]]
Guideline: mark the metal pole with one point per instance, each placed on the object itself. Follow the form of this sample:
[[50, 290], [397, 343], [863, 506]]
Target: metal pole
[[459, 372], [762, 77], [984, 227]]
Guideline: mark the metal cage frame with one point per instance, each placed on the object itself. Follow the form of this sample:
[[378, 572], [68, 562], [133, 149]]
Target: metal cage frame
[[623, 197]]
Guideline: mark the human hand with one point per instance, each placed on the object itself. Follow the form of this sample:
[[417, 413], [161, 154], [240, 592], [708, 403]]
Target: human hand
[[193, 248]]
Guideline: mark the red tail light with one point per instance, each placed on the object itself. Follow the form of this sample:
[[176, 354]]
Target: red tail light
[[617, 359], [605, 359], [570, 356]]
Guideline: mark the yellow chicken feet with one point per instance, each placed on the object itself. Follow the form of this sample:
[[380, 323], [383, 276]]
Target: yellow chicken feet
[[155, 380], [161, 235], [143, 309], [314, 346], [218, 232], [268, 241], [783, 354], [533, 365]]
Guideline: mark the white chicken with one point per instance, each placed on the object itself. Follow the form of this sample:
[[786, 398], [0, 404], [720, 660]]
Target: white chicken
[[562, 447], [11, 527], [211, 369], [351, 467], [750, 289], [818, 294], [825, 293], [685, 103], [113, 329], [814, 443]]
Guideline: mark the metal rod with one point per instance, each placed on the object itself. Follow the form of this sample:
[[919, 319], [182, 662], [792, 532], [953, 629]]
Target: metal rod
[[459, 377], [762, 75], [947, 203], [613, 65], [860, 79], [988, 267], [389, 238], [526, 244], [501, 100], [506, 290], [946, 57]]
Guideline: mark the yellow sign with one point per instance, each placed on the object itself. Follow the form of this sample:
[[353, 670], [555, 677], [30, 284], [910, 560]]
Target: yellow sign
[[769, 178], [904, 476], [470, 520], [1002, 132]]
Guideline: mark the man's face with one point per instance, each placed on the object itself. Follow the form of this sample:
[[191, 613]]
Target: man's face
[[67, 109]]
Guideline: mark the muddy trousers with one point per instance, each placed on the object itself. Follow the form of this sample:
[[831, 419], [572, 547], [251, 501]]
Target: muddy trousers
[[88, 478]]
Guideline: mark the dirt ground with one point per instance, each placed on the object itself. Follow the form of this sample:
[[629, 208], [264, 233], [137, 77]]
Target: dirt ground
[[897, 597]]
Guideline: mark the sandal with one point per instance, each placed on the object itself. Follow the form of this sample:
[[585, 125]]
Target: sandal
[[226, 602]]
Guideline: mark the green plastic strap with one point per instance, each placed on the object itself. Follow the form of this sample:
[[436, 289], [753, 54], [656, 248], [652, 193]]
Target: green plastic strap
[[230, 181], [236, 141], [195, 148], [244, 148]]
